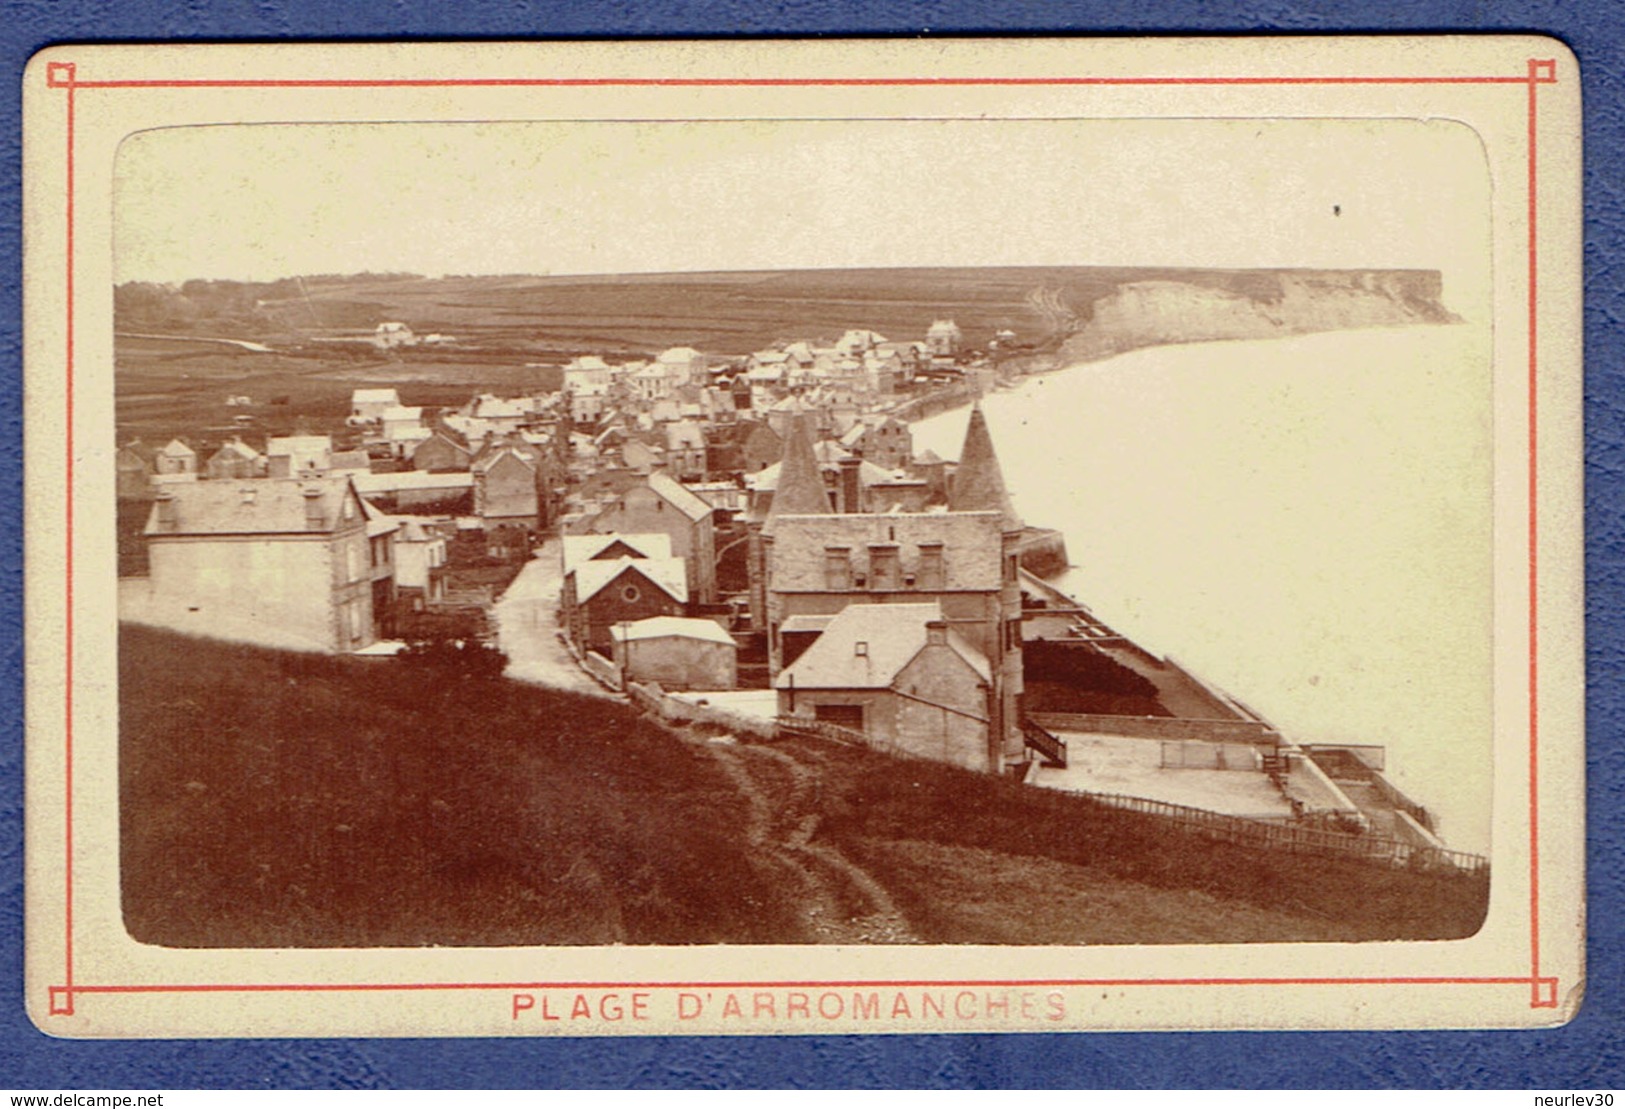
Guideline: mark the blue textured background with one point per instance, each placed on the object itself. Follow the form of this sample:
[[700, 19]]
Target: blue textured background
[[1585, 1054]]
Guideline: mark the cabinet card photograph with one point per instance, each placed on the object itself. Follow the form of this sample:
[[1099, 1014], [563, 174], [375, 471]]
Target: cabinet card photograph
[[786, 537]]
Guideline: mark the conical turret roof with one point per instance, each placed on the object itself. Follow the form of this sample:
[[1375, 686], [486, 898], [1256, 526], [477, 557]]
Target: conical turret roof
[[801, 486], [978, 484]]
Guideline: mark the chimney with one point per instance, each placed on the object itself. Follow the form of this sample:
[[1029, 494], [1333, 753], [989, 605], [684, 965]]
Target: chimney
[[936, 633], [850, 489], [166, 510]]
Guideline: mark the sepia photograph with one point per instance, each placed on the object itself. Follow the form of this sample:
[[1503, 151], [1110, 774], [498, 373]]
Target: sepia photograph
[[809, 533], [850, 558]]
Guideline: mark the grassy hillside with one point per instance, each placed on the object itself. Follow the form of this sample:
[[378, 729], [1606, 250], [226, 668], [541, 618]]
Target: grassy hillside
[[278, 799]]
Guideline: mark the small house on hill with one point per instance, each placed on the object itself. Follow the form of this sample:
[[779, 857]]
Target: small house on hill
[[944, 339], [899, 675], [135, 464], [393, 333], [299, 455], [677, 652], [235, 459], [443, 451], [367, 406], [175, 457]]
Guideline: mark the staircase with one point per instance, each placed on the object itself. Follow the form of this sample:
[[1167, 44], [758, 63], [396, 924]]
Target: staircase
[[1045, 743]]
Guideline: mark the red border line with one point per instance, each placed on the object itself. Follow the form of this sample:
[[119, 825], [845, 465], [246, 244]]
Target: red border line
[[857, 983], [774, 82], [63, 75]]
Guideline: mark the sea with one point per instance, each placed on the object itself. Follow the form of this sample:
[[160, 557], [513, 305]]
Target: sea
[[1304, 522]]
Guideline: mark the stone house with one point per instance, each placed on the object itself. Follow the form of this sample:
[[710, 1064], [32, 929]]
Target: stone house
[[676, 651], [886, 441], [367, 406], [685, 450], [235, 459], [134, 465], [444, 451], [420, 564], [290, 555], [601, 593], [175, 458], [683, 365], [944, 339], [392, 334], [299, 455], [660, 504], [899, 674], [806, 559], [760, 447]]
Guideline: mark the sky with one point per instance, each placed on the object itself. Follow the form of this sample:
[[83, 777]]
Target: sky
[[264, 201]]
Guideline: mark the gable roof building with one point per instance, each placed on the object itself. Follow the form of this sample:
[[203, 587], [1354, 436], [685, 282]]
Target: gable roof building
[[269, 560], [805, 559], [584, 548], [903, 677]]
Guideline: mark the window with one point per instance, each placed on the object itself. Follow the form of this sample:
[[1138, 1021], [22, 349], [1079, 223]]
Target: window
[[630, 593], [845, 716], [837, 568]]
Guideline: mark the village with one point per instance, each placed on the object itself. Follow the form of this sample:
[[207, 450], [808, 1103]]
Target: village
[[751, 542]]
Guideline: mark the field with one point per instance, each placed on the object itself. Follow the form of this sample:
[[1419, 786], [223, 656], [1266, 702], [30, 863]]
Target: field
[[504, 325], [272, 799], [731, 312]]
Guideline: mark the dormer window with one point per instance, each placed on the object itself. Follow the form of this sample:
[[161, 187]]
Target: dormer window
[[837, 568]]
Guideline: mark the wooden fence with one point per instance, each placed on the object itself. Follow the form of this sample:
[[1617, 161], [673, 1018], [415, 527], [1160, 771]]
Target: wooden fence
[[1297, 838]]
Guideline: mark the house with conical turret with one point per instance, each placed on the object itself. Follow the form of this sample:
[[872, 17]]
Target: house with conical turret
[[809, 563]]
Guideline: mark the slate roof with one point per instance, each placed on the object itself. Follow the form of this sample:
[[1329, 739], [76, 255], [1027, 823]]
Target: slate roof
[[972, 546], [890, 635], [683, 435], [379, 522], [679, 627], [410, 480], [679, 498], [582, 548], [256, 506], [666, 574], [236, 447], [978, 484], [798, 485], [350, 460]]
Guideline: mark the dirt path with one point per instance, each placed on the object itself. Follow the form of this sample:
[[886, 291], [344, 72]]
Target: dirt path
[[528, 628], [844, 904]]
